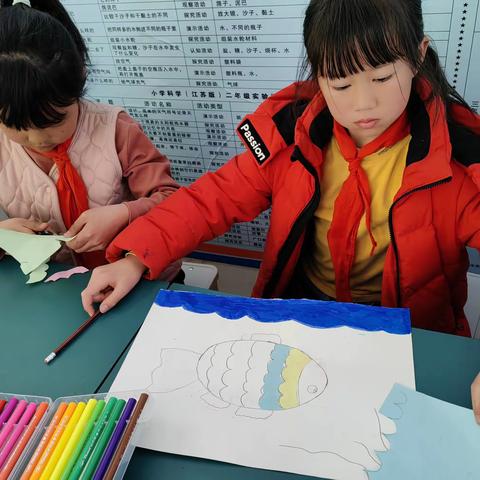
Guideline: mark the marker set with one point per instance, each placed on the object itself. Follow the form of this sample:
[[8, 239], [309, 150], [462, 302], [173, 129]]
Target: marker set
[[88, 437]]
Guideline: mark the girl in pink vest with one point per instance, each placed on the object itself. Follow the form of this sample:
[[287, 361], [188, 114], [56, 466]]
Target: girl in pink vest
[[75, 167]]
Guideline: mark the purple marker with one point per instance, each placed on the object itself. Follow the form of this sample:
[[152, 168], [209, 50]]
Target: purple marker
[[7, 411], [114, 440]]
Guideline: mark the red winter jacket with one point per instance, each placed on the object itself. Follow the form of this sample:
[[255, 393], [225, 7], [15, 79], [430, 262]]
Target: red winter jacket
[[435, 214]]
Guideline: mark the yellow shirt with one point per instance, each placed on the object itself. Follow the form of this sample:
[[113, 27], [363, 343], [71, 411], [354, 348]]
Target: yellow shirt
[[384, 170]]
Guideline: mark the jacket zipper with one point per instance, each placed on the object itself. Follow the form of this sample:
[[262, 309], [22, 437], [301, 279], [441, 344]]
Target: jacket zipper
[[298, 227], [392, 232]]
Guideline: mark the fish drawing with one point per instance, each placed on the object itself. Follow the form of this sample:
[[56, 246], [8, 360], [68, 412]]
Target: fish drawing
[[257, 376]]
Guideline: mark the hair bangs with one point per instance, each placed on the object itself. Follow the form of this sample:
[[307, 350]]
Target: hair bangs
[[350, 55], [351, 38], [30, 97]]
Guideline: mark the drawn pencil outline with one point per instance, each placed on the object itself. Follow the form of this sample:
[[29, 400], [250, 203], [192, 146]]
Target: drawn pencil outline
[[370, 452], [259, 375], [328, 452]]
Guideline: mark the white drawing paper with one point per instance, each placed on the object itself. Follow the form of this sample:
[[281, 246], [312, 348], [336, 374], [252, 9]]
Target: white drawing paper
[[284, 385]]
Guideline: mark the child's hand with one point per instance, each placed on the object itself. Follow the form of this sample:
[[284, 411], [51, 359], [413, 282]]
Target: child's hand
[[110, 283], [476, 398], [23, 225], [95, 228]]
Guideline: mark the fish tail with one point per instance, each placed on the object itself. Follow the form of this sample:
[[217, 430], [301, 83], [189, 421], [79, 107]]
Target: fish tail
[[176, 370]]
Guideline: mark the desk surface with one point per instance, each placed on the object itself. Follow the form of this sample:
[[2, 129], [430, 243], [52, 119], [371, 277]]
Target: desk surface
[[34, 319]]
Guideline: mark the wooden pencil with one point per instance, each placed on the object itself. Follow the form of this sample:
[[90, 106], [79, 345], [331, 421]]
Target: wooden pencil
[[72, 337]]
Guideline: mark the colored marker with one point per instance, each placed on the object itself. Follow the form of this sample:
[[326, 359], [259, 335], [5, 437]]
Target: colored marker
[[14, 417], [22, 443], [83, 439], [52, 443], [7, 411], [16, 432], [114, 440], [92, 440], [44, 441], [126, 437], [73, 440], [2, 404], [57, 452], [97, 453]]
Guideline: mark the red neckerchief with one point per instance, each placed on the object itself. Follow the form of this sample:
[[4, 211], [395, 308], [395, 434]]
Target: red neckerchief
[[72, 192], [72, 196], [354, 201]]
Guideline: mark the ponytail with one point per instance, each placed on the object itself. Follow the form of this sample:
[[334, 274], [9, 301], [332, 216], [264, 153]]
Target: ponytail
[[43, 63], [432, 71], [57, 11]]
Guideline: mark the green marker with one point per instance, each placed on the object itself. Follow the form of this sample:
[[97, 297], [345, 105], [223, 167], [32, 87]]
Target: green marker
[[92, 440], [92, 463], [83, 438]]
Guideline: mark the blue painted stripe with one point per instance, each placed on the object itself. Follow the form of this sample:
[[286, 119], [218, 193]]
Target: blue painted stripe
[[313, 313], [270, 399]]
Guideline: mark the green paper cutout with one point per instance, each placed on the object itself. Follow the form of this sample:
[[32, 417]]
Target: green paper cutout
[[32, 251], [38, 274]]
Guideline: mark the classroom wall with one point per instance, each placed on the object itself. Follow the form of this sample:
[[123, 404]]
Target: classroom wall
[[189, 71]]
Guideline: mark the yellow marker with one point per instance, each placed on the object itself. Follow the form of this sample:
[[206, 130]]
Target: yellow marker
[[53, 441], [73, 440], [47, 472]]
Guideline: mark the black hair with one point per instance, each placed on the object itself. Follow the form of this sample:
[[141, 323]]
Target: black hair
[[341, 36], [43, 63]]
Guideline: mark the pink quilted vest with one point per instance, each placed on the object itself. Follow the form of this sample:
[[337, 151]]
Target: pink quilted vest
[[28, 192]]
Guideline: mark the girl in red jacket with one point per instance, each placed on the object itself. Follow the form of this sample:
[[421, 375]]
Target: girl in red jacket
[[370, 168]]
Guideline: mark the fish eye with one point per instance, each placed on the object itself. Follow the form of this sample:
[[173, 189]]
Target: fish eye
[[312, 389]]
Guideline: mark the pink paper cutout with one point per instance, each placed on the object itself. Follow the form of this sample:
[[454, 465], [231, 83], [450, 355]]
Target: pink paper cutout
[[66, 274]]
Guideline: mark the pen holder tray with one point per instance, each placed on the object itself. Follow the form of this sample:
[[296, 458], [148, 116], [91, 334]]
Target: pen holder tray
[[30, 450]]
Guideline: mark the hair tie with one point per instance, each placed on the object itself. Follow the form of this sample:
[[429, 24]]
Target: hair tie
[[25, 2]]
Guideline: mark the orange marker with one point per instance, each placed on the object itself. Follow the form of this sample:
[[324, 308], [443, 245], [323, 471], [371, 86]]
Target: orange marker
[[44, 441], [52, 443], [60, 446], [22, 442]]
